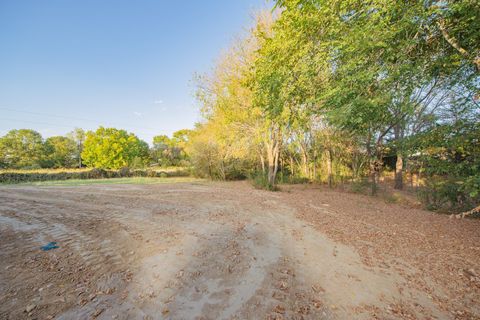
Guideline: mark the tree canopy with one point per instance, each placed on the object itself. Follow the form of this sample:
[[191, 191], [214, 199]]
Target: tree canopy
[[21, 148], [328, 90], [321, 91], [60, 152], [111, 148]]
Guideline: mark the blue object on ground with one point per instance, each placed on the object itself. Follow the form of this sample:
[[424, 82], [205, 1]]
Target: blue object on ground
[[50, 246]]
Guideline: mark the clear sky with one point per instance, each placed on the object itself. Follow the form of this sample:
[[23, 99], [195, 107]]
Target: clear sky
[[122, 63]]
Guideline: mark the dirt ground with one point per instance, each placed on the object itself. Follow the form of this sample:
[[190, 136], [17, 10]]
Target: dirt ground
[[206, 250]]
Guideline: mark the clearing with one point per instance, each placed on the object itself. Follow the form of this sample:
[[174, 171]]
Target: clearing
[[203, 250]]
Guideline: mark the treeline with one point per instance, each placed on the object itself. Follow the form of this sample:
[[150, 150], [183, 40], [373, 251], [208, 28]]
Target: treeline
[[343, 90], [105, 148], [325, 91]]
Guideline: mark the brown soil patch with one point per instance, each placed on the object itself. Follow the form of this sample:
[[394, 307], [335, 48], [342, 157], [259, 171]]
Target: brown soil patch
[[227, 251]]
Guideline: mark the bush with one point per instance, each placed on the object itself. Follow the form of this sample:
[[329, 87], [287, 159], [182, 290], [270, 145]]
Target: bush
[[163, 175], [291, 179], [17, 176], [450, 195], [94, 174], [124, 172], [260, 181], [138, 163], [151, 173], [362, 186]]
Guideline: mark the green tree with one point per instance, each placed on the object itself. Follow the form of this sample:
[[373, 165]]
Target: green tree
[[170, 151], [345, 82], [78, 136], [180, 137], [379, 55], [231, 141], [60, 152], [160, 150], [111, 148], [179, 142], [22, 148]]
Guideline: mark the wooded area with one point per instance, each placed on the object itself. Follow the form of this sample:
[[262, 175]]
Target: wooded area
[[335, 153], [337, 90], [319, 91]]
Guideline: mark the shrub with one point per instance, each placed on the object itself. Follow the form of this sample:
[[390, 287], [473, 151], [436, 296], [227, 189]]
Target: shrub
[[138, 163], [260, 181], [151, 173], [17, 176], [362, 186], [291, 179], [450, 195], [124, 172], [95, 174]]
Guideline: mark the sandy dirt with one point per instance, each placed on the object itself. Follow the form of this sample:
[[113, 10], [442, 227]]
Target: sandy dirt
[[227, 251]]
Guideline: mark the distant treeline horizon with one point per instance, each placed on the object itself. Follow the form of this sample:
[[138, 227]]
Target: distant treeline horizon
[[106, 148]]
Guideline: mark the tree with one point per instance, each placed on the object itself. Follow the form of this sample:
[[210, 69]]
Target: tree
[[22, 148], [180, 137], [345, 82], [234, 126], [179, 142], [111, 148], [60, 152], [378, 55], [159, 151], [170, 151], [78, 136], [271, 70]]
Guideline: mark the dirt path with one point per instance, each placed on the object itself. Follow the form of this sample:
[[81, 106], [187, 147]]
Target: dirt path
[[227, 251]]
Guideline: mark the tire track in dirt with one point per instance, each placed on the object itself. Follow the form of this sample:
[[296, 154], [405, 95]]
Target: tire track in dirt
[[45, 228], [184, 251]]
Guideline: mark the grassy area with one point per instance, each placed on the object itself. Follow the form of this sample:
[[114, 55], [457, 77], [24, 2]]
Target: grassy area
[[133, 180]]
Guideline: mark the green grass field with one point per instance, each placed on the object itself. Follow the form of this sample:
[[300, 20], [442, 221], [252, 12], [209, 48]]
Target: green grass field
[[134, 180]]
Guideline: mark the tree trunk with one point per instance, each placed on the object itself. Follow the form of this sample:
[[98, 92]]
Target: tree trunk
[[262, 162], [292, 166], [399, 172], [419, 177], [374, 176], [276, 162], [222, 170], [282, 164], [374, 165], [79, 154], [272, 164], [305, 162], [329, 168], [398, 134], [411, 178], [210, 171], [273, 152]]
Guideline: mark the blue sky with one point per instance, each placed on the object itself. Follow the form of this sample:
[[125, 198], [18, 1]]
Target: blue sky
[[126, 64]]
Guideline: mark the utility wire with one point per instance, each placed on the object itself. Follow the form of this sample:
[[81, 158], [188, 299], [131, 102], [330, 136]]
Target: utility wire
[[36, 122], [150, 130], [72, 127], [45, 114]]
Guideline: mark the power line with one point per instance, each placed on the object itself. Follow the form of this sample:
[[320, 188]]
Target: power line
[[72, 127], [96, 122], [73, 118], [45, 114], [36, 122]]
